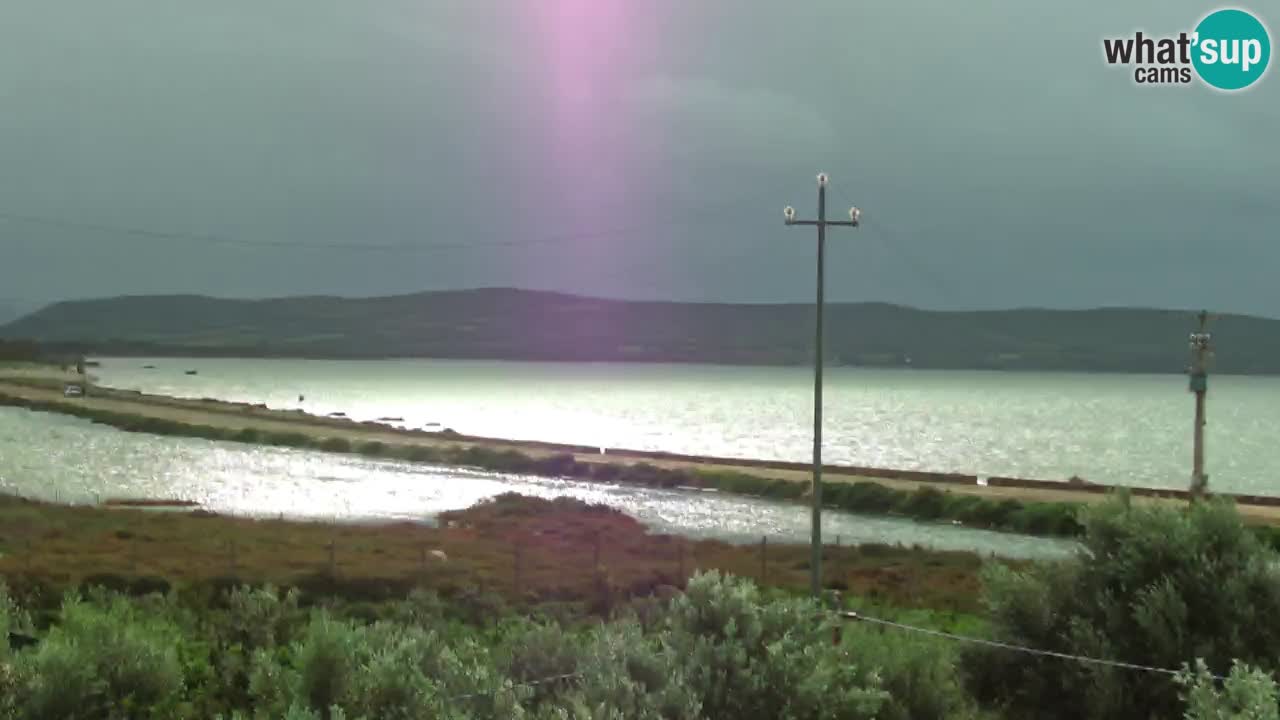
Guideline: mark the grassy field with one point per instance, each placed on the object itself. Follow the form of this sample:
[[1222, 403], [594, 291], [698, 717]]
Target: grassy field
[[527, 550]]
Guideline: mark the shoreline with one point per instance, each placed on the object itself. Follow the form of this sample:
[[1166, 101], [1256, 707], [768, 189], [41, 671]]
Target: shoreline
[[923, 495]]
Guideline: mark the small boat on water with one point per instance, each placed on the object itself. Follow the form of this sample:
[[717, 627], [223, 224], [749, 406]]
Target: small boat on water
[[148, 367], [191, 372]]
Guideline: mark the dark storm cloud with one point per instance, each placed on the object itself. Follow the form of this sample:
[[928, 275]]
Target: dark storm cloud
[[1000, 162]]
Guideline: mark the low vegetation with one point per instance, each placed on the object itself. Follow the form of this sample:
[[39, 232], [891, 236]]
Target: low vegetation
[[1150, 587], [723, 649], [526, 550], [1189, 591]]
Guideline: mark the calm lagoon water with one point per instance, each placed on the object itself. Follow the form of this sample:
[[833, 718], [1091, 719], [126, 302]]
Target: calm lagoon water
[[1121, 429], [1118, 429], [68, 459]]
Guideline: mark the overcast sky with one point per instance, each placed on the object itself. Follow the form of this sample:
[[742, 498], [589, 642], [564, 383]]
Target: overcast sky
[[626, 148]]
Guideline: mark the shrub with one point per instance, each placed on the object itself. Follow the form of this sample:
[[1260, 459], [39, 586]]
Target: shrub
[[1151, 585], [634, 675], [288, 439], [101, 657], [558, 465], [537, 652], [1045, 519], [326, 664], [1247, 694], [336, 444], [744, 657], [919, 674], [926, 503], [605, 472], [262, 617], [247, 435], [208, 432], [373, 448], [866, 497], [420, 453]]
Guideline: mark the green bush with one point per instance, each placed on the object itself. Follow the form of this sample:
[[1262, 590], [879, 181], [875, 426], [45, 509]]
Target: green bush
[[558, 465], [326, 664], [373, 448], [247, 435], [1044, 519], [866, 497], [1246, 694], [261, 618], [744, 657], [101, 660], [336, 444], [722, 650], [1151, 585], [421, 453], [918, 673], [287, 439], [732, 482], [926, 503], [605, 472]]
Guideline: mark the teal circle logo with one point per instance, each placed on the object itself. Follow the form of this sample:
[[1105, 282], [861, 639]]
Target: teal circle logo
[[1232, 49]]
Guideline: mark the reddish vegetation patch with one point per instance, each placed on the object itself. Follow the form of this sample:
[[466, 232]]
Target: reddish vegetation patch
[[515, 517]]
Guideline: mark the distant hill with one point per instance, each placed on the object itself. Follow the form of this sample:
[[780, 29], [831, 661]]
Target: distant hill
[[529, 325]]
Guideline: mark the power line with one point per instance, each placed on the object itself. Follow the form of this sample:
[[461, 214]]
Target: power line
[[151, 234], [1083, 659], [878, 229]]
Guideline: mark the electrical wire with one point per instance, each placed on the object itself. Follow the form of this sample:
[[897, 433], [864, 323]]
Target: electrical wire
[[691, 216], [1083, 659]]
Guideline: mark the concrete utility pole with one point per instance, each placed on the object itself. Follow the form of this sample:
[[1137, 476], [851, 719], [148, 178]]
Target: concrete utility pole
[[1201, 353], [815, 563]]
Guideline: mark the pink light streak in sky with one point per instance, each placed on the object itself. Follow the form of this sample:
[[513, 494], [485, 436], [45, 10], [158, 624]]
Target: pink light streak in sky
[[589, 52]]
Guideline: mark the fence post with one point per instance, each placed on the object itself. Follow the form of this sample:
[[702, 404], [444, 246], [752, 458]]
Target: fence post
[[680, 554], [422, 551], [333, 565], [764, 560], [515, 571]]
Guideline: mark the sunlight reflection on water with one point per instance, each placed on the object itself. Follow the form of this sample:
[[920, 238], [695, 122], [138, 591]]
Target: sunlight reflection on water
[[63, 458]]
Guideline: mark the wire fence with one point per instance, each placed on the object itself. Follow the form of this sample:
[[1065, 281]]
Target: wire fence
[[864, 618], [675, 563]]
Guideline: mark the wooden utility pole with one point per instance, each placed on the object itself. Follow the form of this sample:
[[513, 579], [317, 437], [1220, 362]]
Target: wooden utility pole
[[1201, 352], [815, 563]]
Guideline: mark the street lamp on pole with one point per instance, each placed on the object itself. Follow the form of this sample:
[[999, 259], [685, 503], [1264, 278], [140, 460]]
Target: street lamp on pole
[[789, 213]]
